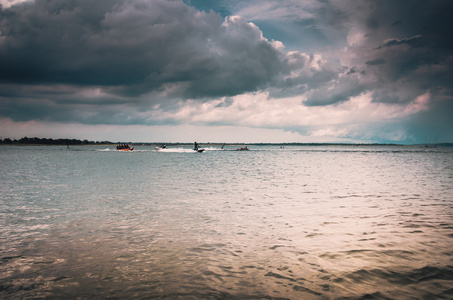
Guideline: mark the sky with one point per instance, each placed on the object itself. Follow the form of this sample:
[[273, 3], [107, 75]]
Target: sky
[[269, 71]]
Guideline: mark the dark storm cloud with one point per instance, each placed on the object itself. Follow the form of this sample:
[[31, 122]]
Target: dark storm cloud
[[374, 62], [404, 50], [120, 61], [396, 49], [134, 47], [337, 91], [310, 73], [412, 41]]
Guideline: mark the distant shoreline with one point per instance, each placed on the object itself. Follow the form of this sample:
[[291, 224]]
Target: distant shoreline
[[235, 144], [34, 141]]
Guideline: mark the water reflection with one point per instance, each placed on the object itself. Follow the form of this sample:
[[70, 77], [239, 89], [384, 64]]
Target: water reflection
[[298, 223]]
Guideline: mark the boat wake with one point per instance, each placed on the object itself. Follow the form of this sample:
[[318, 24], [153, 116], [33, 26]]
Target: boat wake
[[185, 150], [130, 151], [176, 150]]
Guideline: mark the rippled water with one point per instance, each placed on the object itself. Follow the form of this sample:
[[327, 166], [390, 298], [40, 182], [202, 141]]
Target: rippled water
[[333, 222]]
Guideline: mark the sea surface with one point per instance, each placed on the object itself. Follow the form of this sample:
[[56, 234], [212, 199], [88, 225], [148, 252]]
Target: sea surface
[[299, 222]]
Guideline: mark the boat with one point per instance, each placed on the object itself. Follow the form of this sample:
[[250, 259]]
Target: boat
[[243, 149], [124, 148], [197, 149], [161, 147]]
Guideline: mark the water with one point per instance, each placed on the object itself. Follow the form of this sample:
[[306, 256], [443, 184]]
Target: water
[[303, 222]]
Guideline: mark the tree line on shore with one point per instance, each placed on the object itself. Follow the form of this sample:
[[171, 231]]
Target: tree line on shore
[[49, 141], [60, 141]]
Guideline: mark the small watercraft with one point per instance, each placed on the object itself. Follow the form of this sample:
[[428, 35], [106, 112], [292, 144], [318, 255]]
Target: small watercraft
[[161, 147], [197, 149], [243, 149], [126, 149]]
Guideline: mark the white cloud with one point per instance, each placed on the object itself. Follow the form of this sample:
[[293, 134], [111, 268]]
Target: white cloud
[[421, 103], [143, 133], [258, 110], [329, 132], [356, 36], [9, 3], [271, 10]]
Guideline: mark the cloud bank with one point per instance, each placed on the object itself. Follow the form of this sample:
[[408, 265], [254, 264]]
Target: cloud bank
[[352, 70]]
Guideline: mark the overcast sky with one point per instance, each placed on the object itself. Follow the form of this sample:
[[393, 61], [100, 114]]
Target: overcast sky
[[227, 70]]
